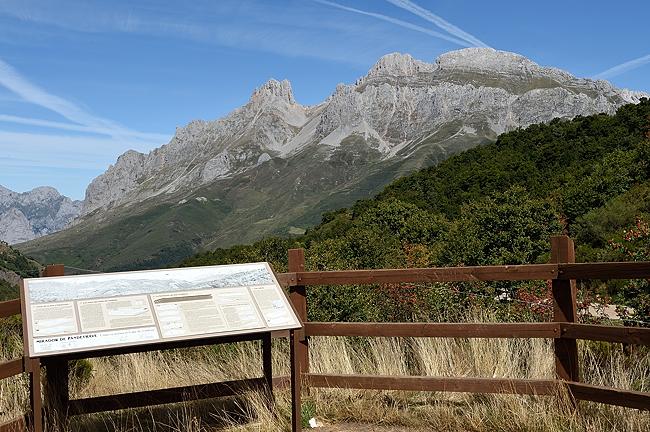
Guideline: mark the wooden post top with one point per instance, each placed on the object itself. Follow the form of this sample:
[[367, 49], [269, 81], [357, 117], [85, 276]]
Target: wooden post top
[[296, 260], [53, 270]]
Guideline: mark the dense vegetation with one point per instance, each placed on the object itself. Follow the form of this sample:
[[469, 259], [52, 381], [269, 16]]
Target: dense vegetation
[[14, 263], [494, 204]]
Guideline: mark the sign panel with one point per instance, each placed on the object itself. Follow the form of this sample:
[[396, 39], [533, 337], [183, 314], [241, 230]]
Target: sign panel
[[83, 313]]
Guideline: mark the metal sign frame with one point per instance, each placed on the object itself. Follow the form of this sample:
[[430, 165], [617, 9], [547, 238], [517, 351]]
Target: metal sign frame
[[152, 332]]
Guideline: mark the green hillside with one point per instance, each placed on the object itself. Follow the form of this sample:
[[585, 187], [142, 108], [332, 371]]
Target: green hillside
[[278, 198], [493, 204], [13, 265]]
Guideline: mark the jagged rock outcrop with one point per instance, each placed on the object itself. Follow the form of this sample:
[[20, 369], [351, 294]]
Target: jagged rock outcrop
[[204, 151], [28, 215]]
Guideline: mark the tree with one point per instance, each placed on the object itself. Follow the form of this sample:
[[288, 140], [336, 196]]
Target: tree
[[634, 245], [503, 228]]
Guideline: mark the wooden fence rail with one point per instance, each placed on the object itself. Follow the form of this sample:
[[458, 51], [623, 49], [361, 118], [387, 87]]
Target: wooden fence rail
[[17, 425], [434, 384], [581, 271], [564, 331], [12, 368], [33, 419], [435, 330]]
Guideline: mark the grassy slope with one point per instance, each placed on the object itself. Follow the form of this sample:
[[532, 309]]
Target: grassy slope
[[272, 199], [452, 412]]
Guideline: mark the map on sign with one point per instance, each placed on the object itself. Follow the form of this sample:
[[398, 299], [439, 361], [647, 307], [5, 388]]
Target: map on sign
[[83, 313]]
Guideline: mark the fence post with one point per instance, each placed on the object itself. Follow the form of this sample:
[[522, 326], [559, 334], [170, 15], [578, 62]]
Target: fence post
[[299, 341], [298, 296], [33, 367], [53, 270], [564, 310]]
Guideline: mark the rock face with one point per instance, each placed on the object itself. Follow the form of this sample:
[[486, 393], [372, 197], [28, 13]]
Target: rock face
[[202, 151], [28, 215], [272, 166]]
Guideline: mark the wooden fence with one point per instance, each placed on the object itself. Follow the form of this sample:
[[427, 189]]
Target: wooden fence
[[25, 365], [563, 272], [564, 330], [12, 367]]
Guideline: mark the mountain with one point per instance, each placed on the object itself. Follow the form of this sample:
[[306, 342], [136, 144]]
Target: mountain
[[28, 215], [273, 166], [491, 205]]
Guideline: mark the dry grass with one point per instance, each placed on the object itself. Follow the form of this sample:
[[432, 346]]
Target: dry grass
[[602, 364]]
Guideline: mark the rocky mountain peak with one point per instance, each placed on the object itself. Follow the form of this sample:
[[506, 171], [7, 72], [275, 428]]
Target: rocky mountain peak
[[132, 154], [485, 59], [6, 195], [494, 63], [27, 215], [396, 65], [44, 192], [274, 90]]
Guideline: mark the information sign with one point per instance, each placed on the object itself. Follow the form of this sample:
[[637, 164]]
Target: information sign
[[70, 314]]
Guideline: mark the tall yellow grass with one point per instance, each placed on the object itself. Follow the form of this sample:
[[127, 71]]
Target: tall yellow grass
[[602, 364]]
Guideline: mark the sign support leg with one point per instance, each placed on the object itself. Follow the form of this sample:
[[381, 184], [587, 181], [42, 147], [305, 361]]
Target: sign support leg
[[57, 392], [267, 361], [296, 404], [33, 366]]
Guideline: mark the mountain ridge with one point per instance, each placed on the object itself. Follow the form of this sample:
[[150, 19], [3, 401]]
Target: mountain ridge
[[273, 165], [275, 99], [28, 215]]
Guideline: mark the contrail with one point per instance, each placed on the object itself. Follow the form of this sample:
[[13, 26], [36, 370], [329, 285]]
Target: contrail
[[624, 67], [397, 22], [438, 21], [29, 92]]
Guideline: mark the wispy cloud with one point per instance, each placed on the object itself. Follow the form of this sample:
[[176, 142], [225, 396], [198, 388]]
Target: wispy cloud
[[29, 92], [623, 67], [65, 161], [438, 21], [256, 25], [161, 138], [396, 21], [97, 142], [72, 151]]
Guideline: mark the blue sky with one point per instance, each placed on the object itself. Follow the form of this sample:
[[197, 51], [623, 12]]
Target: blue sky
[[82, 81]]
